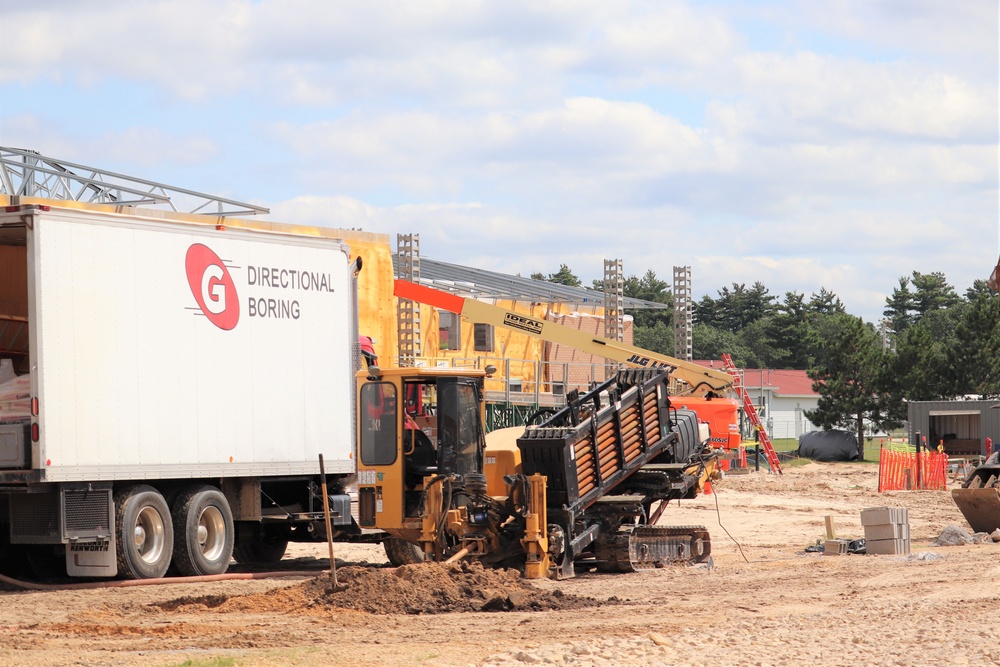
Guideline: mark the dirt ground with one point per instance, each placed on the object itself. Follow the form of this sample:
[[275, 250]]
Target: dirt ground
[[765, 601]]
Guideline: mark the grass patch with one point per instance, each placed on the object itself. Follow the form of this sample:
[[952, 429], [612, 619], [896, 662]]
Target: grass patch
[[788, 445], [208, 662], [782, 444]]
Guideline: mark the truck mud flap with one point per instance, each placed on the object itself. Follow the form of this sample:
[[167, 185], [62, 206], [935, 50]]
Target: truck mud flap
[[981, 508], [658, 546]]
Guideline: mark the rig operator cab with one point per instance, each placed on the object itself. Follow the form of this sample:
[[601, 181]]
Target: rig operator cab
[[416, 426]]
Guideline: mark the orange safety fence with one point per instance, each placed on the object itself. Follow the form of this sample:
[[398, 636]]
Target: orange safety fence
[[910, 471]]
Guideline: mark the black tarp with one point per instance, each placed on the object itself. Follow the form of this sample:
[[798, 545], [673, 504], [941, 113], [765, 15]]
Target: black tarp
[[828, 446]]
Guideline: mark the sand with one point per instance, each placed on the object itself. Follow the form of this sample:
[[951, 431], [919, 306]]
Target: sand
[[765, 601]]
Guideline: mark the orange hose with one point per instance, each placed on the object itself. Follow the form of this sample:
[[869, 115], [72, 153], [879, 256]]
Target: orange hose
[[125, 583]]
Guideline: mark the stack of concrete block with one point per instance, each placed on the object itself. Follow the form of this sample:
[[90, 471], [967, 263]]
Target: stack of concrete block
[[887, 530]]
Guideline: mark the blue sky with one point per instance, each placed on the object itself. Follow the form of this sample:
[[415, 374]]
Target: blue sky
[[836, 144]]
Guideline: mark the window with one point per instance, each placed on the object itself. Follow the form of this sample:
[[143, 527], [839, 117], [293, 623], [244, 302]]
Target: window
[[450, 330], [459, 427], [378, 424], [483, 337]]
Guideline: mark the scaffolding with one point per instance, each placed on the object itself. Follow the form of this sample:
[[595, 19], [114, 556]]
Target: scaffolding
[[614, 290], [683, 314], [27, 173], [408, 312]]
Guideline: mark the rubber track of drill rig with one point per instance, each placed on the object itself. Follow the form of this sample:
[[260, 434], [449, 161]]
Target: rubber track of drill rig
[[650, 547], [656, 546]]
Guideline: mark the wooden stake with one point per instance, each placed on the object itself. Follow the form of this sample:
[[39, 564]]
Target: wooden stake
[[329, 524], [831, 533]]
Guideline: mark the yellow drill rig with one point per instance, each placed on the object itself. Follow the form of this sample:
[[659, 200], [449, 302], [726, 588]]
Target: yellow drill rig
[[583, 489]]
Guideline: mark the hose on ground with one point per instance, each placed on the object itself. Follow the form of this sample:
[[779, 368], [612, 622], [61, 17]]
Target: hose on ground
[[126, 583]]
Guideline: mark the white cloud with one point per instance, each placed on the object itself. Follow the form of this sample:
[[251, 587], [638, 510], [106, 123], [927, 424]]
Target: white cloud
[[143, 147], [836, 144], [808, 96], [314, 52], [961, 33]]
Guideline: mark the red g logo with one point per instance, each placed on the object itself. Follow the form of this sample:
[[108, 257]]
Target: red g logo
[[212, 286]]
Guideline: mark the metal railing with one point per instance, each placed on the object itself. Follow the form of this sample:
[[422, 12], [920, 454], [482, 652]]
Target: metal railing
[[526, 381]]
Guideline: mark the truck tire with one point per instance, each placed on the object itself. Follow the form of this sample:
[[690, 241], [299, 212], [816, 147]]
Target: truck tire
[[144, 533], [260, 551], [203, 532], [400, 552]]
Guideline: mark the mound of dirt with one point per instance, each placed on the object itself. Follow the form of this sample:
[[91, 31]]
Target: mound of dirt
[[427, 588]]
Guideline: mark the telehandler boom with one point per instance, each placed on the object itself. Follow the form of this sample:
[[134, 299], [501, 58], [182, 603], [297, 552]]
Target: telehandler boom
[[694, 387], [697, 379]]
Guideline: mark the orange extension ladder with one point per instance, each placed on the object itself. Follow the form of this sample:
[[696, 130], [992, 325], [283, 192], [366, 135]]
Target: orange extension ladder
[[751, 413]]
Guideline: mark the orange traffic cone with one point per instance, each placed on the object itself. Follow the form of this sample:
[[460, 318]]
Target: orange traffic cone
[[707, 488]]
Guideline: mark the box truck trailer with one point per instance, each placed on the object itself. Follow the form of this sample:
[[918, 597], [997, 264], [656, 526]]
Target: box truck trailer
[[171, 386]]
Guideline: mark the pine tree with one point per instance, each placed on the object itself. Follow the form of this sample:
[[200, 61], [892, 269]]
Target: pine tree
[[974, 357], [932, 292], [564, 276], [901, 306], [851, 377]]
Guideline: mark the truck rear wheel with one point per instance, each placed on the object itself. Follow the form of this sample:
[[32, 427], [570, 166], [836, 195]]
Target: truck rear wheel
[[260, 551], [203, 531], [401, 552], [144, 532]]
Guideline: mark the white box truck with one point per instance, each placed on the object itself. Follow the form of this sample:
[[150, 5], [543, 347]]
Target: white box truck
[[184, 378]]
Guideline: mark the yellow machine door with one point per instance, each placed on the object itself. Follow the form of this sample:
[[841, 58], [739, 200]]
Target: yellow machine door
[[380, 474]]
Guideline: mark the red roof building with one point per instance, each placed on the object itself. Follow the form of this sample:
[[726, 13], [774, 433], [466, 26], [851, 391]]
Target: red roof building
[[781, 397]]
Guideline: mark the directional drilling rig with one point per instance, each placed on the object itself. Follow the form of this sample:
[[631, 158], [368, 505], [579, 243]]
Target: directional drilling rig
[[582, 489]]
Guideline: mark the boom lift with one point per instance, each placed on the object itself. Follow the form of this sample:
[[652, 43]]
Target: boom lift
[[694, 387]]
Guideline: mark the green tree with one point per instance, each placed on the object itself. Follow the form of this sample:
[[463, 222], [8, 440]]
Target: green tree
[[757, 340], [826, 303], [710, 342], [735, 308], [564, 276], [901, 306], [647, 288], [932, 292], [706, 311], [919, 369], [652, 327], [650, 288], [656, 338], [973, 358], [851, 378], [979, 288], [788, 329]]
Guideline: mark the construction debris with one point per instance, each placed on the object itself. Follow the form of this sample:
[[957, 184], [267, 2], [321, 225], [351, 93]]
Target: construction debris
[[954, 536]]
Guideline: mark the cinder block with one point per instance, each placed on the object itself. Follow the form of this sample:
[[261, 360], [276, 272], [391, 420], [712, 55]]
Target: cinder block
[[877, 516], [887, 547], [835, 547], [888, 531]]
